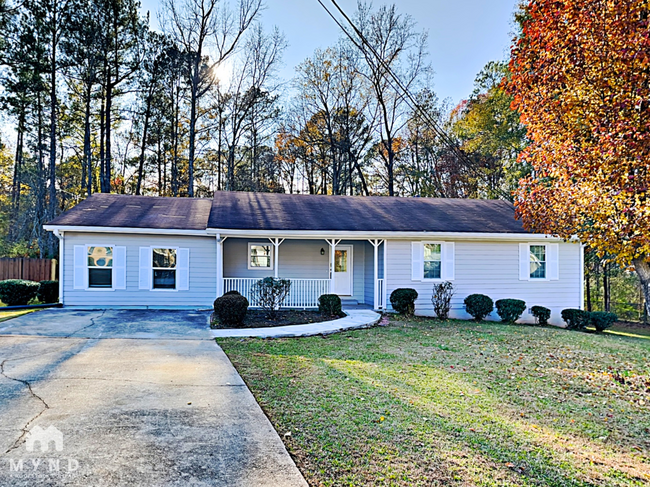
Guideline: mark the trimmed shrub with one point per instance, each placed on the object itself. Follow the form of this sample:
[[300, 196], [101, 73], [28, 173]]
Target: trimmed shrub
[[269, 293], [602, 320], [233, 292], [576, 319], [403, 300], [231, 309], [48, 292], [17, 292], [479, 306], [441, 299], [330, 305], [510, 310], [541, 314]]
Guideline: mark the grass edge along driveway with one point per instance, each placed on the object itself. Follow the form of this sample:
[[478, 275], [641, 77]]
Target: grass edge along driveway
[[424, 402]]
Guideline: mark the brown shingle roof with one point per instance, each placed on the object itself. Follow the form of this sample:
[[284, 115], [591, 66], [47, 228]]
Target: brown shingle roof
[[116, 210], [272, 211]]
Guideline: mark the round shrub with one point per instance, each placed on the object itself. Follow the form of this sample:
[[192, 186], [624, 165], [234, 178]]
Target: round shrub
[[576, 319], [479, 306], [233, 292], [602, 320], [231, 309], [541, 314], [403, 300], [17, 292], [510, 310], [48, 292], [330, 305]]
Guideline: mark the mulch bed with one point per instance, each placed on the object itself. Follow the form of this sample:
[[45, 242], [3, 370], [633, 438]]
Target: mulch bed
[[258, 319]]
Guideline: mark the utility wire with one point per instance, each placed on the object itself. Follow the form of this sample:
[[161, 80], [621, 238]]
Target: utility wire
[[394, 80]]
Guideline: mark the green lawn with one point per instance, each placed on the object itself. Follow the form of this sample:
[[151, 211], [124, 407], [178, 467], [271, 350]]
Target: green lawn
[[7, 315], [457, 403]]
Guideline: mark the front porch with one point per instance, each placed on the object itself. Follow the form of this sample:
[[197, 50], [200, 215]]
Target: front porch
[[353, 269]]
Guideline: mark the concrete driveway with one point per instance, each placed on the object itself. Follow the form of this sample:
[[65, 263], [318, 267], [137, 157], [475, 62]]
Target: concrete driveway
[[129, 398]]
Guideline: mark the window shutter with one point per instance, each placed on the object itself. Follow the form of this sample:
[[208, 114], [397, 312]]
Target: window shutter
[[119, 268], [448, 261], [183, 270], [524, 262], [145, 268], [553, 261], [80, 267], [417, 261]]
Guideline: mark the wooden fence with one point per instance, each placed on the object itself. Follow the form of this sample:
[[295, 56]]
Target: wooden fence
[[29, 269]]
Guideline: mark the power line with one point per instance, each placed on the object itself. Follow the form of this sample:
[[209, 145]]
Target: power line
[[410, 99]]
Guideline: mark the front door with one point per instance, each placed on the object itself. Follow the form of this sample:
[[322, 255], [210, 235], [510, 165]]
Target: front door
[[343, 270]]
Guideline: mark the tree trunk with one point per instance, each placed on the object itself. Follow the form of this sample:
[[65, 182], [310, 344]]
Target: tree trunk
[[193, 106], [18, 165], [606, 288], [174, 169], [53, 119], [106, 183], [588, 281], [102, 137], [143, 146], [40, 196], [642, 266], [88, 164]]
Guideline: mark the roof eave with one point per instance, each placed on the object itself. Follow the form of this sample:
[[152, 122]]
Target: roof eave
[[313, 234], [131, 230]]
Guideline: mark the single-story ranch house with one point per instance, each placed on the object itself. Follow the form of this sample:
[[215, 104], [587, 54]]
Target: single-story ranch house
[[139, 251]]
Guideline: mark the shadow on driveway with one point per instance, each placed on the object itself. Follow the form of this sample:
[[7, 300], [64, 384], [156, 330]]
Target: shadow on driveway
[[139, 397]]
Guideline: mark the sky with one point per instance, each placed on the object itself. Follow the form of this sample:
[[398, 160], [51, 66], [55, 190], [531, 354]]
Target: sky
[[464, 35]]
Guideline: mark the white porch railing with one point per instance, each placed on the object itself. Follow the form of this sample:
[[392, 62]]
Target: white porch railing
[[380, 295], [304, 293]]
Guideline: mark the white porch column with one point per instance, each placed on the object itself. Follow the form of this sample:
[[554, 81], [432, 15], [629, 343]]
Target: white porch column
[[332, 243], [276, 255], [376, 243], [220, 241]]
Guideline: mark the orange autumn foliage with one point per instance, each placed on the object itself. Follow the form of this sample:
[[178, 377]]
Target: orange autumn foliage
[[581, 82]]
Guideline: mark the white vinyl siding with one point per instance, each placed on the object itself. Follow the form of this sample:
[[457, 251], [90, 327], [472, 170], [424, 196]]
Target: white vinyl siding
[[198, 277], [491, 268]]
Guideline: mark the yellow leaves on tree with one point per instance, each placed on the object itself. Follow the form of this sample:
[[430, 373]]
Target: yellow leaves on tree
[[581, 82]]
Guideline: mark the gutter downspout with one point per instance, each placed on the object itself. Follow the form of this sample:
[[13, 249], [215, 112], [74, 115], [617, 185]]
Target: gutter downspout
[[61, 236]]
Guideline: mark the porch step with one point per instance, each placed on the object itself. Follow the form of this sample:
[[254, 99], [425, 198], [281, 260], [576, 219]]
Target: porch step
[[349, 302]]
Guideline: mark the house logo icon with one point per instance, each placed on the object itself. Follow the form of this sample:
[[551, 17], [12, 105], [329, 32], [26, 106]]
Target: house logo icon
[[44, 437]]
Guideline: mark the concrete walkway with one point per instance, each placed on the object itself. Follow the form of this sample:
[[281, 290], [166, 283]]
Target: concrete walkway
[[139, 398], [356, 318]]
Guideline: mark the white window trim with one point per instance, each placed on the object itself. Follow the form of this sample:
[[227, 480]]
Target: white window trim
[[152, 268], [530, 261], [87, 267], [431, 242], [271, 256]]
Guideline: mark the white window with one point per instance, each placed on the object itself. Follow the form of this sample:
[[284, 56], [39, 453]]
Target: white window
[[538, 261], [432, 261], [100, 267], [164, 268], [260, 256]]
